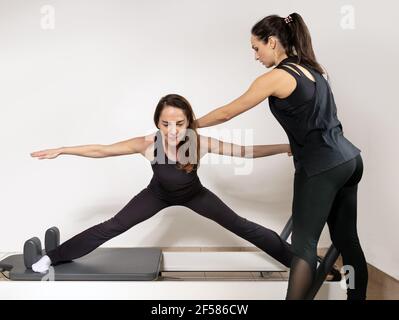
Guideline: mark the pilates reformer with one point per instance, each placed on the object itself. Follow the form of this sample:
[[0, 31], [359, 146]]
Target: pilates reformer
[[120, 264]]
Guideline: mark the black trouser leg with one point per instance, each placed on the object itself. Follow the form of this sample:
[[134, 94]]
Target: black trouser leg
[[210, 206], [143, 206], [342, 225], [317, 199]]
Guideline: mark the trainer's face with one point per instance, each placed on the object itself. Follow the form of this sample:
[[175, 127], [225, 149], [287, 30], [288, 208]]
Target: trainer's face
[[173, 124], [264, 51]]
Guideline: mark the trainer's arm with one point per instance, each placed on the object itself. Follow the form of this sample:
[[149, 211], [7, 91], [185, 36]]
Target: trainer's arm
[[263, 87]]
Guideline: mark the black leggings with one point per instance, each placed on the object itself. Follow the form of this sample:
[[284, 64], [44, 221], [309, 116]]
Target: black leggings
[[327, 197], [146, 204]]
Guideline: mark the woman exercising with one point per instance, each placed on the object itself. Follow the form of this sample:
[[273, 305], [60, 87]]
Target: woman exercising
[[174, 151], [328, 167]]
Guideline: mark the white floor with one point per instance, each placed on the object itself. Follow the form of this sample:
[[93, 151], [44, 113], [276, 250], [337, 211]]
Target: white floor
[[158, 290]]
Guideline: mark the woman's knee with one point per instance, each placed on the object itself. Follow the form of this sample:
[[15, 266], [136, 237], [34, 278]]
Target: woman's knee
[[305, 248], [342, 240], [111, 228], [242, 226]]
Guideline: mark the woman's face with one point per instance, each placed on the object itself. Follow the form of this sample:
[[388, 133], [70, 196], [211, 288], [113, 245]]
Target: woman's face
[[264, 52], [173, 124]]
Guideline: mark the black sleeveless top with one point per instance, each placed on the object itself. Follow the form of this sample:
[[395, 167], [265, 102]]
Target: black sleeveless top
[[168, 182], [309, 117]]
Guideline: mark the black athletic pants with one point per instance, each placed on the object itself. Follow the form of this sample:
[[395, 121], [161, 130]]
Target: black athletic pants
[[146, 204], [331, 197]]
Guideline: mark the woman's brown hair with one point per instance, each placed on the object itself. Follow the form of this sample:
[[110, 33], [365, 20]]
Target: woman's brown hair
[[177, 101], [293, 34]]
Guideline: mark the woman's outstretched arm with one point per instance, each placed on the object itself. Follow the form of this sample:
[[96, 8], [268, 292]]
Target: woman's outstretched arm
[[212, 145], [130, 146], [263, 87]]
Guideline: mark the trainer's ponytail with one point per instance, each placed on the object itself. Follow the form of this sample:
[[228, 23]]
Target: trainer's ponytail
[[293, 34], [302, 42]]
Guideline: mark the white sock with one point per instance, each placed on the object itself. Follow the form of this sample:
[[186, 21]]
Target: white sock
[[42, 265]]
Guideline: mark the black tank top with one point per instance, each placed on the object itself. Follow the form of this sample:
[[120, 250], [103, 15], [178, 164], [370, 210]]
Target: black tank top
[[169, 182], [309, 117]]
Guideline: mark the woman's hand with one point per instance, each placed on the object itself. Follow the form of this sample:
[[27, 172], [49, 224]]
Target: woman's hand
[[287, 148], [46, 154]]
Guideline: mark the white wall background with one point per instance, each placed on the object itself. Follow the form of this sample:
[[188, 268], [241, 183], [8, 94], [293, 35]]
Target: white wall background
[[97, 76]]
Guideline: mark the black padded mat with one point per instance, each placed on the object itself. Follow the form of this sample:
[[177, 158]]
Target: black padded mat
[[102, 264]]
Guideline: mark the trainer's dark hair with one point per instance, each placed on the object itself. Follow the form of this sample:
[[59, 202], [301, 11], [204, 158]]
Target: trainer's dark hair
[[294, 37], [177, 101]]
